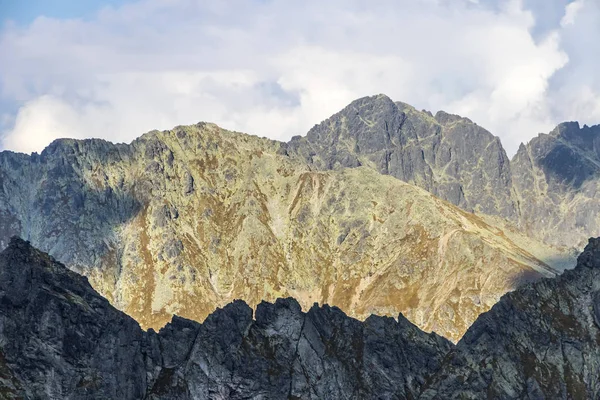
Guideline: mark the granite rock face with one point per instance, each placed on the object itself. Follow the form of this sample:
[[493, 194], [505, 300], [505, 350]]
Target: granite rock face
[[60, 339], [557, 181], [549, 189], [539, 342], [445, 154], [187, 220]]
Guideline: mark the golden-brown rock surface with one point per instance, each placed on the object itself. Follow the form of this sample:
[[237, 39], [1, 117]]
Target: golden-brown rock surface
[[184, 221]]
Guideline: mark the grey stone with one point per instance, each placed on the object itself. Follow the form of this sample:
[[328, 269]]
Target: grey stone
[[549, 189], [538, 342], [60, 339], [556, 180], [448, 155]]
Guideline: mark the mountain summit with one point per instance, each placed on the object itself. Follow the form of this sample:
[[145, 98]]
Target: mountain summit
[[548, 189], [447, 155]]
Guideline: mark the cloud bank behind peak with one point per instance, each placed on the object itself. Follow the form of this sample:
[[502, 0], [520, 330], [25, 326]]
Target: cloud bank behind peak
[[275, 68]]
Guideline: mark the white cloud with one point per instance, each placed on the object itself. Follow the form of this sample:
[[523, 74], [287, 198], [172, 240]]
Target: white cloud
[[40, 121], [571, 12], [276, 68]]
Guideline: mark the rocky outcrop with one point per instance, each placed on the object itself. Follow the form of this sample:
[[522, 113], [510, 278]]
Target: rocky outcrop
[[548, 190], [60, 339], [445, 154], [557, 181], [184, 221], [539, 342]]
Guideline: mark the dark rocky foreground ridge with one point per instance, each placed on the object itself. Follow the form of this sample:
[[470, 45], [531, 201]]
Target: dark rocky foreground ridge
[[60, 339]]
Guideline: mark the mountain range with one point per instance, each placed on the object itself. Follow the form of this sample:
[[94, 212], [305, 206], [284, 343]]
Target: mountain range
[[380, 209], [548, 190]]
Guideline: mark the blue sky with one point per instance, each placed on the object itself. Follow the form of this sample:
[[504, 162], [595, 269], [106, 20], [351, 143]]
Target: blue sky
[[116, 69], [25, 11]]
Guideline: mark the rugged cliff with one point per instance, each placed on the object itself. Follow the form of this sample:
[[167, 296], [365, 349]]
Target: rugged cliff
[[445, 154], [539, 342], [60, 339], [183, 221], [549, 189], [557, 180]]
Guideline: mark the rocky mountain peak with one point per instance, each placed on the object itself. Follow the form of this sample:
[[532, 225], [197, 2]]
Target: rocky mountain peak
[[447, 155], [586, 139], [590, 257], [461, 162], [19, 255], [556, 178], [20, 249], [25, 270], [445, 118], [367, 124], [565, 129]]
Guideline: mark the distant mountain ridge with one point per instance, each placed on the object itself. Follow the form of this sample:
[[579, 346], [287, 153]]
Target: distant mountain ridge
[[444, 154], [187, 220], [60, 339], [549, 189]]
